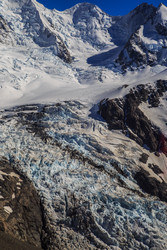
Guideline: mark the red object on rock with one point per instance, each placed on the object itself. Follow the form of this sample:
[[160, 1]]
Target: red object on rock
[[163, 144]]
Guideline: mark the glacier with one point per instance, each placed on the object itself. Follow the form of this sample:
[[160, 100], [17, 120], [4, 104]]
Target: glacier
[[55, 69], [66, 152]]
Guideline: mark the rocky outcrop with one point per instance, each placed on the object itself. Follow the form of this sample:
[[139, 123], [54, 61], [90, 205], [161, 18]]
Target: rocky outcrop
[[125, 26], [143, 158], [20, 209], [156, 169], [125, 114], [147, 44], [63, 52], [47, 38], [7, 242], [161, 29], [136, 54], [5, 36], [151, 185]]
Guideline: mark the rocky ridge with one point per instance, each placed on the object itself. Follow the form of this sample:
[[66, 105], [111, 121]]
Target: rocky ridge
[[5, 32], [147, 45], [125, 114], [20, 209]]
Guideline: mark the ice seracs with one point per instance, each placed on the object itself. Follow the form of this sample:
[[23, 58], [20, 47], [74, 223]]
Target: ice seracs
[[85, 174]]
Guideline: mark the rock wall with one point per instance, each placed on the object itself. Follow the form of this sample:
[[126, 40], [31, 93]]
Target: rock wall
[[125, 114], [20, 209]]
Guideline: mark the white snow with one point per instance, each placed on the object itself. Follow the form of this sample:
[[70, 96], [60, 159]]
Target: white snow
[[1, 175], [157, 115], [162, 14], [13, 196], [33, 74], [8, 209]]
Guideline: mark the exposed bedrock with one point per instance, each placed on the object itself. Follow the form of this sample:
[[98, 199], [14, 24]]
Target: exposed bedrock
[[151, 185], [125, 114], [20, 210]]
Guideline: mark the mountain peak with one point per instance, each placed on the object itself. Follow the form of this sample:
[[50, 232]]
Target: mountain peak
[[162, 14], [85, 6], [144, 8], [161, 4]]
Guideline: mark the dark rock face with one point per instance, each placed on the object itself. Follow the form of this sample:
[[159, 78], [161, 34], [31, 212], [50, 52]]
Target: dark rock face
[[125, 114], [8, 242], [112, 110], [3, 25], [20, 209], [136, 52], [121, 33], [155, 168], [131, 57], [63, 52], [139, 123], [4, 32], [161, 86], [144, 158], [161, 29], [151, 185], [46, 38]]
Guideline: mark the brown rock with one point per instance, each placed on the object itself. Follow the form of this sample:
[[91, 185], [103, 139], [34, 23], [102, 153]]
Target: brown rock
[[125, 114], [20, 210]]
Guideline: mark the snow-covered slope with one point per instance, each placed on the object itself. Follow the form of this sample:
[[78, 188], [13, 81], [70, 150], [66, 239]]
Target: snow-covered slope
[[126, 25], [29, 27], [47, 55]]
